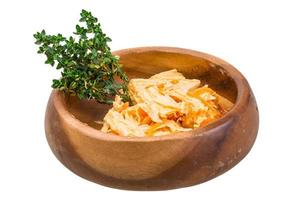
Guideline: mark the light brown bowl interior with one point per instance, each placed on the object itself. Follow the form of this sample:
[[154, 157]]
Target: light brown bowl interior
[[141, 64]]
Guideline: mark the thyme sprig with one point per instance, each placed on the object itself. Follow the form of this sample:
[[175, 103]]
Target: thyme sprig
[[89, 70]]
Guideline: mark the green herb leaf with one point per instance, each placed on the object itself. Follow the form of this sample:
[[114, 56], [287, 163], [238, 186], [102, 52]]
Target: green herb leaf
[[89, 70]]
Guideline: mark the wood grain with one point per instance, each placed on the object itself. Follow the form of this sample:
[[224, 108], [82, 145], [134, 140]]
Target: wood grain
[[155, 163]]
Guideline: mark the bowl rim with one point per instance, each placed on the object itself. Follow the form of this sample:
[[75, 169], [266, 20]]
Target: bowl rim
[[243, 91]]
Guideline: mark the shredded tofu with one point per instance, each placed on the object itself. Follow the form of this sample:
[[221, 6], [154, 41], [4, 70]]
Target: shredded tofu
[[164, 104]]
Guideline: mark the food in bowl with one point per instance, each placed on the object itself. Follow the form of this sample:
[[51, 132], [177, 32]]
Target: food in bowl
[[156, 163], [164, 104], [88, 84]]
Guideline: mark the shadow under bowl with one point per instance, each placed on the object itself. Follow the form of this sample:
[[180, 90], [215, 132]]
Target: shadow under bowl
[[155, 163]]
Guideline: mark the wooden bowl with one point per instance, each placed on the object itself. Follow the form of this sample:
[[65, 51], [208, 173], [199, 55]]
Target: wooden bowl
[[155, 163]]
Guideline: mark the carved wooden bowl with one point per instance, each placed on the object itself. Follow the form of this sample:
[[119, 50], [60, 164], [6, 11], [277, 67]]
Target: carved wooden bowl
[[155, 163]]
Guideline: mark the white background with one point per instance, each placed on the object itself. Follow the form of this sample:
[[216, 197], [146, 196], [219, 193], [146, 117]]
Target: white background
[[260, 38]]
